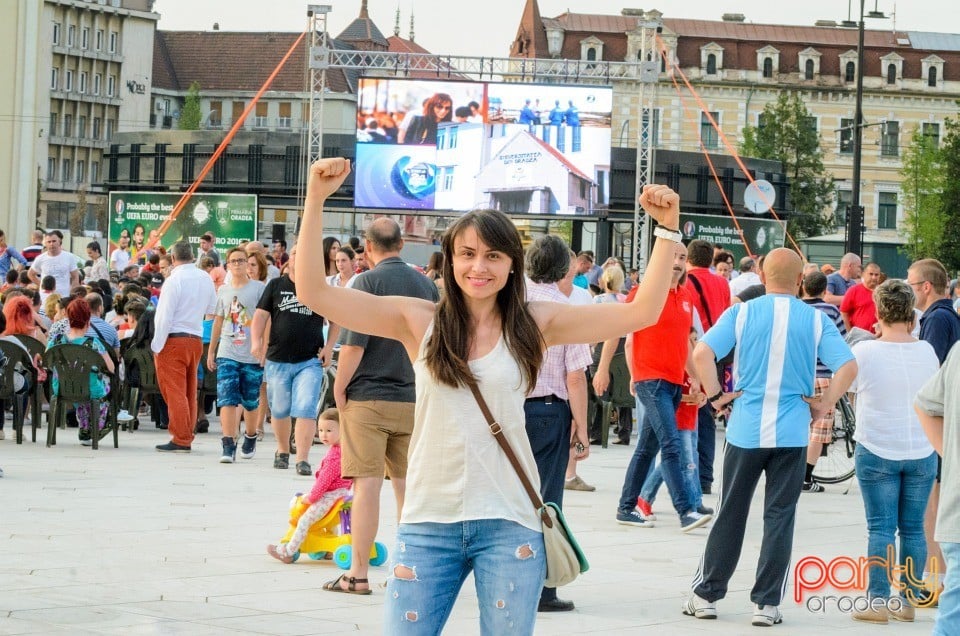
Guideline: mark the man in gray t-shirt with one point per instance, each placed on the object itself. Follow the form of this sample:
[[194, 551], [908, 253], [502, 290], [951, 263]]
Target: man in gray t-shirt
[[239, 374], [375, 393]]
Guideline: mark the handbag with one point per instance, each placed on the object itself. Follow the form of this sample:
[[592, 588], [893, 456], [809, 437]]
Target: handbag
[[565, 559]]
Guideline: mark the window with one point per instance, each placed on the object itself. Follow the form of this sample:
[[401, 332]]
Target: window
[[446, 179], [285, 119], [591, 54], [932, 76], [66, 170], [238, 108], [844, 198], [931, 131], [711, 64], [82, 126], [71, 35], [114, 38], [216, 114], [97, 80], [98, 40], [54, 78], [891, 73], [260, 120], [85, 38], [768, 67], [708, 134], [94, 171], [56, 36], [81, 171], [68, 125], [51, 169], [68, 81], [850, 72], [810, 123], [846, 136], [96, 128], [887, 211], [111, 128], [54, 123], [452, 142], [808, 70], [111, 85], [890, 139], [82, 87], [649, 127]]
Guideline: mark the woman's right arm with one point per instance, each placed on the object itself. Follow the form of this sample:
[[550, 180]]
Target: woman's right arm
[[397, 317]]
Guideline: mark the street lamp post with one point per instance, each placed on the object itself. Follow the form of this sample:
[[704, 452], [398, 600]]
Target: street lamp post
[[853, 240]]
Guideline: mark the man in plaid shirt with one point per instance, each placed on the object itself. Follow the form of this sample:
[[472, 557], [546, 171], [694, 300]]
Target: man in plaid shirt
[[560, 393]]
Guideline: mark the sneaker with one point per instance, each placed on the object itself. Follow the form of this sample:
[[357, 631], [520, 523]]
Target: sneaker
[[877, 615], [906, 613], [705, 510], [86, 442], [646, 509], [699, 607], [303, 468], [766, 616], [281, 460], [170, 447], [633, 518], [693, 520], [124, 416], [812, 486], [229, 454], [576, 483], [249, 447]]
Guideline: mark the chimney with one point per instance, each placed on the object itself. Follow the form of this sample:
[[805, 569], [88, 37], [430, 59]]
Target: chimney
[[216, 26], [411, 26], [396, 23], [734, 17], [825, 23]]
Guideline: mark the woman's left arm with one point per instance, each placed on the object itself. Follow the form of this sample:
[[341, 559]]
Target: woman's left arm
[[573, 324]]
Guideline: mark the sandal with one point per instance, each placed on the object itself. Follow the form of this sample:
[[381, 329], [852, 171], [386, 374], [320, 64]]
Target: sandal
[[334, 585], [272, 551]]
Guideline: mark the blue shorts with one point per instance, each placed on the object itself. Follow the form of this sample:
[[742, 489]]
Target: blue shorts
[[238, 383], [293, 388]]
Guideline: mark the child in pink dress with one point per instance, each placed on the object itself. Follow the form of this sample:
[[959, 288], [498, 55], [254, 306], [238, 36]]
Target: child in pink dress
[[327, 488]]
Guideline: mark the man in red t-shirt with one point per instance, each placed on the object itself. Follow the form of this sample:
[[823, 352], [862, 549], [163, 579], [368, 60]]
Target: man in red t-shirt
[[711, 297], [658, 357], [857, 307]]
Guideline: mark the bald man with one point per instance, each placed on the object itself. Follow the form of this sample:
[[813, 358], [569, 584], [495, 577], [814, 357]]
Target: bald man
[[840, 281], [778, 339]]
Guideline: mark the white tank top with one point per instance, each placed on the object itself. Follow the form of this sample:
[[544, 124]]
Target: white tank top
[[456, 470]]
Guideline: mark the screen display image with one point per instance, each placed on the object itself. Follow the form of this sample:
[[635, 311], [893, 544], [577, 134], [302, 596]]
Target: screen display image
[[455, 146]]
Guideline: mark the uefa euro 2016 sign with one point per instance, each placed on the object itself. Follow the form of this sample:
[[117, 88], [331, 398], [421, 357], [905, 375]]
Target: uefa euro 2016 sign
[[139, 216]]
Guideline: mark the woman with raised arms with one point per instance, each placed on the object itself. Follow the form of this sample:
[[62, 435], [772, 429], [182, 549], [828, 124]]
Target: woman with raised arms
[[465, 508]]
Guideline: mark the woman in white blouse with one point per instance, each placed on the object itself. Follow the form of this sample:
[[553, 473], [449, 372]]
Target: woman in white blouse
[[895, 463], [98, 269]]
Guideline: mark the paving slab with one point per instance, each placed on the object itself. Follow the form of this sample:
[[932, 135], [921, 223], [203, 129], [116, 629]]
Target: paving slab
[[131, 541]]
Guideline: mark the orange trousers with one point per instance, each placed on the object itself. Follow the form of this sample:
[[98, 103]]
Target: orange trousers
[[177, 376]]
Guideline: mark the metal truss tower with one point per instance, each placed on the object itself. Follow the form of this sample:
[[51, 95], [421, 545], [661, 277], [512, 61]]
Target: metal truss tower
[[318, 62], [649, 56]]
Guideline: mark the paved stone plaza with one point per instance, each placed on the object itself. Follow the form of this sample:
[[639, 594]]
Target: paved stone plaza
[[129, 541]]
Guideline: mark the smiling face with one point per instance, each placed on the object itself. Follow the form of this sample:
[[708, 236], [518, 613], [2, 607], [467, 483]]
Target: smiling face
[[481, 272]]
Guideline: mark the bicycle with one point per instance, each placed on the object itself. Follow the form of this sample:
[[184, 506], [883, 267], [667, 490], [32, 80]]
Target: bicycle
[[836, 461]]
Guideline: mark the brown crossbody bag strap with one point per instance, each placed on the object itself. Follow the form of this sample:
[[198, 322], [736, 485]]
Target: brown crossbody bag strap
[[508, 451]]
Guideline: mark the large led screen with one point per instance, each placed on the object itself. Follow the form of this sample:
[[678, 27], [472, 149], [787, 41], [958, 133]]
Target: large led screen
[[537, 149]]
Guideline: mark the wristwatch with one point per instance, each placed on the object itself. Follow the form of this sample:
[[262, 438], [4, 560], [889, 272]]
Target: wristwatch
[[715, 397], [670, 235]]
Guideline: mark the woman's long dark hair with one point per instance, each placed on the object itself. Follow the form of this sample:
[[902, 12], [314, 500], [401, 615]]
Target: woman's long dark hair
[[143, 333], [327, 261], [448, 347]]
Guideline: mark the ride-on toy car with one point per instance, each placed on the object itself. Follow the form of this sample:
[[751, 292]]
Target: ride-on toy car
[[330, 535]]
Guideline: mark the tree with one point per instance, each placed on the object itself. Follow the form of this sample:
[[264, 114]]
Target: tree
[[190, 113], [949, 253], [787, 133], [922, 186]]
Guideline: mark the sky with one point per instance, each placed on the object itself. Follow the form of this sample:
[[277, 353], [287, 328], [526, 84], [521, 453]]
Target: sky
[[497, 20]]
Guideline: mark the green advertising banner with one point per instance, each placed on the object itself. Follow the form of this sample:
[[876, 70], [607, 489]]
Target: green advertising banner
[[231, 218], [761, 235]]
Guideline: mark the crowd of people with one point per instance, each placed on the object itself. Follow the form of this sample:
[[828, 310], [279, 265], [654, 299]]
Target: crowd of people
[[761, 348]]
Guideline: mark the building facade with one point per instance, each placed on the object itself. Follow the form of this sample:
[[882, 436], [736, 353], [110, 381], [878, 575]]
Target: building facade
[[82, 76], [911, 81]]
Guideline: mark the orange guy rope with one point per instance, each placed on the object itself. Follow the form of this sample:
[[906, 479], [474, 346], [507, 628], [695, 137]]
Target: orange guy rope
[[220, 149]]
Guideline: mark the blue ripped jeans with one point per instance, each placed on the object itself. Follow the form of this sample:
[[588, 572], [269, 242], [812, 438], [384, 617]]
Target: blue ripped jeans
[[434, 559]]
